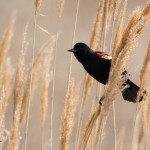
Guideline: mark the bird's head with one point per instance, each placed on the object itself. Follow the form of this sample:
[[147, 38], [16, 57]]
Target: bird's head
[[80, 50]]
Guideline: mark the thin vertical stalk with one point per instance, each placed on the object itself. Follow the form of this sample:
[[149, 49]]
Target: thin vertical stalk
[[80, 120], [103, 49], [31, 74], [115, 13], [53, 93], [79, 127], [114, 126], [105, 24], [73, 41], [134, 124], [146, 145], [111, 36], [110, 49], [46, 79], [98, 91], [60, 10], [113, 107]]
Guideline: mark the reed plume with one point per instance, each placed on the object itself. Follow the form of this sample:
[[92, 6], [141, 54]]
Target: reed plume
[[68, 118], [115, 80], [14, 140], [6, 42], [104, 24], [45, 81], [5, 94], [21, 85], [44, 89], [116, 7], [3, 132], [135, 27], [19, 81], [97, 26], [88, 127], [5, 78], [15, 131], [116, 43], [145, 104], [119, 29], [144, 70], [88, 78], [36, 68], [59, 15]]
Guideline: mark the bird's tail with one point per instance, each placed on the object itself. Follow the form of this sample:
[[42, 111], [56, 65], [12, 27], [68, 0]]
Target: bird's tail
[[130, 92]]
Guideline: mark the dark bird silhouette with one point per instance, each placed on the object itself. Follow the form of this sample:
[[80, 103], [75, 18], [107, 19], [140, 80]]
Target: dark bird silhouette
[[98, 64]]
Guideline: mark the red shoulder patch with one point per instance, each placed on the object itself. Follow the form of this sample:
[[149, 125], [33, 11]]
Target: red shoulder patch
[[103, 55]]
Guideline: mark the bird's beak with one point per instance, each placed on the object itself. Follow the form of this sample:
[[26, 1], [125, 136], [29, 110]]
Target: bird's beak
[[72, 50]]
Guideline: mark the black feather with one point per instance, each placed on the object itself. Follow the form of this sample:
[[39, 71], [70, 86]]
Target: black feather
[[98, 64]]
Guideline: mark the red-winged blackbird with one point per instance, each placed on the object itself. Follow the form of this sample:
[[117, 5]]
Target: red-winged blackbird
[[97, 64]]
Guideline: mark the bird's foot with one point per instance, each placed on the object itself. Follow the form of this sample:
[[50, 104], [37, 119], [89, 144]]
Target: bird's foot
[[101, 101]]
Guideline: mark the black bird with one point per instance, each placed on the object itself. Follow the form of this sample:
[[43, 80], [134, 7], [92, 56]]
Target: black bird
[[98, 64]]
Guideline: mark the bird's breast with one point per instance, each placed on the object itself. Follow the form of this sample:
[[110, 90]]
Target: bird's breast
[[97, 69]]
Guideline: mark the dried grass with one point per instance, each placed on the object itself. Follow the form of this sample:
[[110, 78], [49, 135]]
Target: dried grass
[[119, 29], [116, 42], [73, 40], [6, 84], [45, 81], [145, 104], [88, 127], [144, 124], [97, 26], [6, 42], [24, 86], [116, 7], [115, 81], [68, 118], [19, 81], [60, 7], [15, 132], [121, 140], [104, 25], [5, 78], [88, 78], [59, 15], [110, 10], [38, 4], [14, 140], [5, 94], [144, 71], [135, 27], [28, 103], [36, 67]]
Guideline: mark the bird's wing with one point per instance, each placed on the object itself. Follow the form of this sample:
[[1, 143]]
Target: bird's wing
[[103, 55]]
